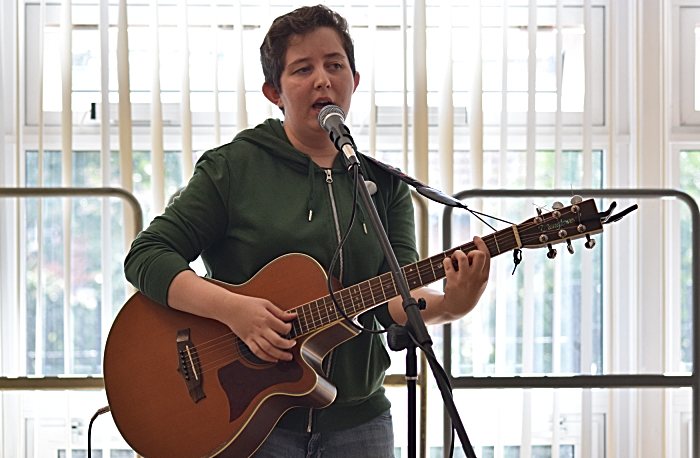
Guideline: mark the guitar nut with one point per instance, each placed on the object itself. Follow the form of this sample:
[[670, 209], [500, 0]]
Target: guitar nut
[[562, 233], [543, 238], [556, 214], [538, 220], [581, 228], [574, 208]]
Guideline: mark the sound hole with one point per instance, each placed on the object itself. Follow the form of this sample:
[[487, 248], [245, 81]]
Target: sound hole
[[249, 355]]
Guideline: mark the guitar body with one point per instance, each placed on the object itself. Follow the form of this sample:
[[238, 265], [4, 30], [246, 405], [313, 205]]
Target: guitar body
[[239, 398]]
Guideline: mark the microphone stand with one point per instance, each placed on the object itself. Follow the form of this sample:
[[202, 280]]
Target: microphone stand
[[415, 332]]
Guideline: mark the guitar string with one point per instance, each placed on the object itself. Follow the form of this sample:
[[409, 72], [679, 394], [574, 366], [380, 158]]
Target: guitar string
[[226, 358], [357, 294], [411, 274], [421, 265], [217, 363]]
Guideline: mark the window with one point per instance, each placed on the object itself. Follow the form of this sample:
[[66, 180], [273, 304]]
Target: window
[[688, 65], [97, 287]]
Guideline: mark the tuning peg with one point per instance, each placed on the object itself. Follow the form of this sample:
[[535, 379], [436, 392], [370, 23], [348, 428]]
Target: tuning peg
[[569, 246], [552, 253], [538, 218], [590, 243], [576, 199], [557, 205]]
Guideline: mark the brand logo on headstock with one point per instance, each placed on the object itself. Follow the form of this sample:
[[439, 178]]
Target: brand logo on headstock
[[548, 227]]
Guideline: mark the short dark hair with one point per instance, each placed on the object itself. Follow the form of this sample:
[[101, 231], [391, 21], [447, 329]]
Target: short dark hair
[[300, 22]]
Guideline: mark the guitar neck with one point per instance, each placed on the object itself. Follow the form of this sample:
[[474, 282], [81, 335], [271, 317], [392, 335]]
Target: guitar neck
[[371, 293]]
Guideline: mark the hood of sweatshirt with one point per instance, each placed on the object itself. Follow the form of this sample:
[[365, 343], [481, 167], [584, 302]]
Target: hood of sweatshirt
[[270, 136]]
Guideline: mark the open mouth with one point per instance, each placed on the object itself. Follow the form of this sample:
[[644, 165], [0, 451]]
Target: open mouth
[[319, 105]]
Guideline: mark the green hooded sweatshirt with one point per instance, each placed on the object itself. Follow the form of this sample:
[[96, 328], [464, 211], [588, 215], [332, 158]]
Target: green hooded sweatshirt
[[259, 198]]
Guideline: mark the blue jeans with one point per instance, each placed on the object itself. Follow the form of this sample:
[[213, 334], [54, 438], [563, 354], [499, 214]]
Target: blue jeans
[[374, 439]]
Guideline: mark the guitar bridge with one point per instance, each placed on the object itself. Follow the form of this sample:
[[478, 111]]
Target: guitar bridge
[[188, 365]]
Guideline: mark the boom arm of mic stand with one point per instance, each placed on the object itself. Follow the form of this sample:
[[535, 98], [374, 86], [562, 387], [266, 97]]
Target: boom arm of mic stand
[[415, 323]]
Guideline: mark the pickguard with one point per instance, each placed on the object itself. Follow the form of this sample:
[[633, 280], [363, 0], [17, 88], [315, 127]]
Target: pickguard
[[237, 381]]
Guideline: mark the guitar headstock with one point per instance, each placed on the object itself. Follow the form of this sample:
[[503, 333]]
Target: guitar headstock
[[563, 224]]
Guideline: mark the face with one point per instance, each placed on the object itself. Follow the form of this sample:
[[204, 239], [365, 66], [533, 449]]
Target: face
[[316, 73]]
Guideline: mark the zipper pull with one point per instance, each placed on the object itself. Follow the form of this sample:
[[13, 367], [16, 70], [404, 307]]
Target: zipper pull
[[329, 178]]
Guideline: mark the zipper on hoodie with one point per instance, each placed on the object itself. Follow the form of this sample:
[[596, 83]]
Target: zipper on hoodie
[[329, 181]]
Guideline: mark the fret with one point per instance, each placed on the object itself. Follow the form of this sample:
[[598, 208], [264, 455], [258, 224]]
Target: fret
[[356, 302], [377, 290], [332, 309], [432, 267], [364, 287], [341, 296], [440, 268], [388, 285], [412, 276], [426, 272], [311, 315], [302, 319], [356, 298], [322, 311], [381, 286], [371, 291], [296, 329], [341, 301], [330, 306]]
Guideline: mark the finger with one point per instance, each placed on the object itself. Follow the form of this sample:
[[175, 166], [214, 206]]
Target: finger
[[279, 341], [449, 267], [278, 326], [260, 353], [477, 262], [279, 313], [271, 349], [459, 259], [481, 245]]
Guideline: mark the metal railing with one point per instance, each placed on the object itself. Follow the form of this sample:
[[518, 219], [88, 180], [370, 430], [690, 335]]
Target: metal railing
[[491, 382], [68, 382], [603, 380]]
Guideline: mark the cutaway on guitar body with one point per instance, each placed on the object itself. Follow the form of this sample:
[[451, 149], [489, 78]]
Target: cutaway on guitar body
[[241, 397]]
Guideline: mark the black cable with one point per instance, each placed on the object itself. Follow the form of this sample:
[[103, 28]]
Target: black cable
[[356, 325], [97, 414]]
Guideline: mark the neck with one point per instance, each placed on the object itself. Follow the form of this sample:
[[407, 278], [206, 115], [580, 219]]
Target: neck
[[318, 147], [370, 293]]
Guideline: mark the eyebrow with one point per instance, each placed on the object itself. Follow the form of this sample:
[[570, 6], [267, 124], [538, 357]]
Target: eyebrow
[[327, 56]]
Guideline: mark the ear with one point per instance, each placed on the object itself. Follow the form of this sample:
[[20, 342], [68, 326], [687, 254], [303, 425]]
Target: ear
[[357, 81], [271, 94]]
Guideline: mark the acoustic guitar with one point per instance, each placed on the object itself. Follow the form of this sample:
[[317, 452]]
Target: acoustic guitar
[[180, 385]]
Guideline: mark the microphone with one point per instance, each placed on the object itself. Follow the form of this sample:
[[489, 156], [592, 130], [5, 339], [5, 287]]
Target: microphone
[[332, 119]]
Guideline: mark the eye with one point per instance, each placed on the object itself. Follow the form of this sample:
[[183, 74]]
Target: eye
[[303, 70]]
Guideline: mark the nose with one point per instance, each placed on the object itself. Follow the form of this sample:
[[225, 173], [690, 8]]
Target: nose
[[322, 79]]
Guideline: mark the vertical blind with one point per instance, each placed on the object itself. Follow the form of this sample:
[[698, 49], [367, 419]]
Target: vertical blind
[[503, 135]]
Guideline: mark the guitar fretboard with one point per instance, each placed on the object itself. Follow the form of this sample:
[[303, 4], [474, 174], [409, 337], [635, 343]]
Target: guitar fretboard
[[371, 293]]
